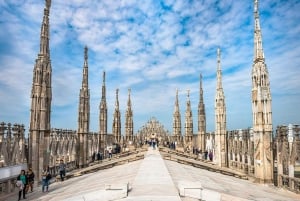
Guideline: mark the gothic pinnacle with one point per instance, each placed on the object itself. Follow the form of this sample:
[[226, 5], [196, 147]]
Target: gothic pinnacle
[[117, 98], [85, 69], [201, 89], [103, 77], [258, 49], [129, 101], [44, 40], [219, 72]]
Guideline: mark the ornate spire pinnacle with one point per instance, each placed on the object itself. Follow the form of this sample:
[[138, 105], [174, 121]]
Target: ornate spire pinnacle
[[41, 97], [117, 120], [103, 88], [176, 101], [117, 99], [201, 90], [219, 71], [129, 101], [84, 114], [48, 4], [258, 49], [188, 102], [177, 119], [104, 78], [220, 118], [129, 120], [188, 121], [103, 117], [261, 109], [85, 81], [44, 43], [201, 119], [85, 55]]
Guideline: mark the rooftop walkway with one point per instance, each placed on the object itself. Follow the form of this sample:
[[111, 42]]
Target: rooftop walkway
[[155, 179]]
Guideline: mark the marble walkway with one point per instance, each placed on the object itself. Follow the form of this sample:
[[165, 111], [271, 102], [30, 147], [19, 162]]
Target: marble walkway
[[153, 179]]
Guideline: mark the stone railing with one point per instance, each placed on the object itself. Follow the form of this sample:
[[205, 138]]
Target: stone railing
[[290, 183], [8, 187], [8, 177], [117, 159], [194, 161], [242, 167]]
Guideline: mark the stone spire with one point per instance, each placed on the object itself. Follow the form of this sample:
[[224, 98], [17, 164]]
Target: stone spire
[[84, 115], [103, 117], [85, 78], [117, 120], [261, 109], [44, 41], [177, 119], [220, 119], [129, 120], [201, 119], [41, 97], [188, 121], [258, 49]]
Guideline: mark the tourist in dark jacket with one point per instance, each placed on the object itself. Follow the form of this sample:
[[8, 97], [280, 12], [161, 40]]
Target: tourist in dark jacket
[[30, 178]]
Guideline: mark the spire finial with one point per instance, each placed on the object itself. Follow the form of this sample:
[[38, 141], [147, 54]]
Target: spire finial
[[258, 49], [48, 4], [129, 101], [176, 100], [219, 58], [201, 89], [85, 53], [117, 98], [219, 71], [44, 43], [103, 77], [200, 80], [85, 79]]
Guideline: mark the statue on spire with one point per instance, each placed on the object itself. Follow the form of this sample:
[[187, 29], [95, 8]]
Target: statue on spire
[[48, 4]]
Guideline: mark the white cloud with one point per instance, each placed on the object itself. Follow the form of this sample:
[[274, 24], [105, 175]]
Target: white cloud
[[152, 50]]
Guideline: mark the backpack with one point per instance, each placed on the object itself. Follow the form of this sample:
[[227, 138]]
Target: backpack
[[49, 176]]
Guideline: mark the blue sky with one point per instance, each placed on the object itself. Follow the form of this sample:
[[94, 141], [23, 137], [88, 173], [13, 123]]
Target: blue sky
[[152, 47]]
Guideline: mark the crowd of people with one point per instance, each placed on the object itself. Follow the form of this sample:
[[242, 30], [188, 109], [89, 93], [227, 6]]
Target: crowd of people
[[25, 180]]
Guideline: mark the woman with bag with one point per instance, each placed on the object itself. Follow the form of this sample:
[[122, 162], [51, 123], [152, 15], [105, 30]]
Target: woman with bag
[[21, 183], [45, 179]]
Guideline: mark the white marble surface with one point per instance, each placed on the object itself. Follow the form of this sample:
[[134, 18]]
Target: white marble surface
[[155, 179], [229, 188]]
